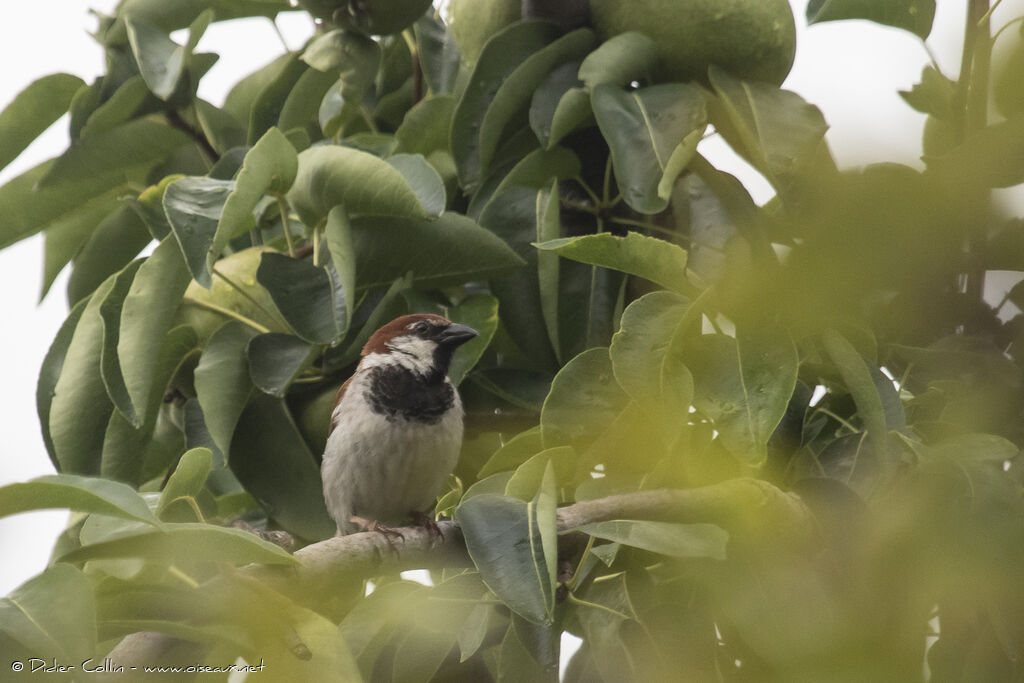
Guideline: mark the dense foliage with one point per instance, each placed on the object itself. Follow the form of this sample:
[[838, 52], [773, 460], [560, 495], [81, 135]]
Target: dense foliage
[[644, 325]]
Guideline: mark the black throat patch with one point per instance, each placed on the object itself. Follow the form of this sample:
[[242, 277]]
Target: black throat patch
[[397, 392]]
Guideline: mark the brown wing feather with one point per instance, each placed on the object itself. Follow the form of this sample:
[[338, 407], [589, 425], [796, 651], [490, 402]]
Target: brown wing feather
[[337, 400]]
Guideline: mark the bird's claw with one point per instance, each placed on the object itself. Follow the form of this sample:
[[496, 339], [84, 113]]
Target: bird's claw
[[424, 520], [373, 525]]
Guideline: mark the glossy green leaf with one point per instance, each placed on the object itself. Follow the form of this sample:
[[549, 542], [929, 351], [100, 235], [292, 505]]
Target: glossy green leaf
[[269, 167], [193, 206], [242, 96], [32, 111], [584, 399], [540, 167], [653, 134], [559, 105], [644, 363], [504, 539], [122, 106], [351, 56], [656, 260], [276, 359], [514, 453], [188, 478], [112, 245], [80, 406], [223, 130], [425, 182], [269, 102], [49, 373], [28, 209], [187, 543], [664, 538], [915, 16], [330, 176], [162, 61], [304, 295], [777, 131], [147, 315], [302, 106], [171, 16], [65, 237], [51, 615], [504, 52], [110, 312], [549, 227], [479, 311], [140, 142], [73, 492], [135, 455], [450, 250], [858, 378], [516, 91], [222, 381], [744, 385], [620, 60], [271, 459], [439, 56], [338, 232], [425, 126], [529, 477]]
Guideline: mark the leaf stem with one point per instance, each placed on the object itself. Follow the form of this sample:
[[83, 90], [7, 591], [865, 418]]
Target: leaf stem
[[584, 603], [571, 583], [229, 313], [234, 285], [282, 207]]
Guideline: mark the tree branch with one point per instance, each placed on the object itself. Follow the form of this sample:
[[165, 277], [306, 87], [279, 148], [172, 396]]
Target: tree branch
[[751, 510]]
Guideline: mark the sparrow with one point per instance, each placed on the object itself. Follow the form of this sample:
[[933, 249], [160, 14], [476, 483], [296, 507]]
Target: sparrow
[[396, 427]]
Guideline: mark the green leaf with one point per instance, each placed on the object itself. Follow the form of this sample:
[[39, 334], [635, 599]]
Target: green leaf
[[73, 492], [450, 250], [270, 457], [656, 260], [514, 453], [664, 538], [653, 134], [343, 257], [302, 106], [304, 295], [516, 91], [139, 142], [276, 359], [80, 407], [915, 16], [861, 384], [330, 176], [584, 399], [28, 209], [425, 126], [169, 16], [242, 96], [188, 478], [504, 539], [620, 60], [32, 111], [503, 53], [222, 381], [744, 385], [65, 237], [148, 313], [439, 56], [52, 615], [479, 311], [777, 131], [50, 371], [351, 56], [644, 363], [110, 312], [559, 106], [424, 180], [549, 227], [112, 245], [123, 105], [186, 544], [269, 102], [162, 61], [269, 167], [934, 95], [529, 477], [990, 157], [223, 130], [193, 206], [381, 18]]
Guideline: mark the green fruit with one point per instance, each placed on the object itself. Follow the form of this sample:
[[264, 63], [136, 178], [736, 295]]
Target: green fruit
[[473, 22], [253, 302], [751, 39]]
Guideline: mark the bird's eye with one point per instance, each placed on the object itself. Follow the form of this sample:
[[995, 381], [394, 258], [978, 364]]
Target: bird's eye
[[420, 327]]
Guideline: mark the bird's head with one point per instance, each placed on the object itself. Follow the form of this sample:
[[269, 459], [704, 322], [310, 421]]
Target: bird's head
[[421, 342]]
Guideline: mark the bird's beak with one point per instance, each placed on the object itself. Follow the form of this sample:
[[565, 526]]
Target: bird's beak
[[456, 335]]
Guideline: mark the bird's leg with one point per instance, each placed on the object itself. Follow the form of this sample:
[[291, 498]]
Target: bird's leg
[[424, 520], [374, 525]]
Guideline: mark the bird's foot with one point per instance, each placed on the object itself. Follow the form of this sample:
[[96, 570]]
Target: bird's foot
[[424, 520], [389, 533]]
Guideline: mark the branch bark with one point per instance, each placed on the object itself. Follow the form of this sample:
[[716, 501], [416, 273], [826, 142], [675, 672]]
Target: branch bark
[[751, 510]]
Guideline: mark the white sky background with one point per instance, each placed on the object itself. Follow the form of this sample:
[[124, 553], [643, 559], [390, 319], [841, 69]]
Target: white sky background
[[852, 70]]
